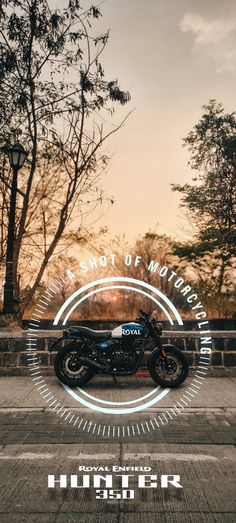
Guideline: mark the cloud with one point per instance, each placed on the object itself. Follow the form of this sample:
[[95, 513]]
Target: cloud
[[214, 40]]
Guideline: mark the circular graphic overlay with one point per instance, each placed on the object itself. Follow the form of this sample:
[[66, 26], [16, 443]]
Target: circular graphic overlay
[[123, 410], [93, 405]]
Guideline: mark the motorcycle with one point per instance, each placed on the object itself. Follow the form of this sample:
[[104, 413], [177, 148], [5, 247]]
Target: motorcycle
[[118, 352]]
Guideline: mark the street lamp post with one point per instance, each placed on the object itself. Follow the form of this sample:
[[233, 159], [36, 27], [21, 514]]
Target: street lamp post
[[17, 156]]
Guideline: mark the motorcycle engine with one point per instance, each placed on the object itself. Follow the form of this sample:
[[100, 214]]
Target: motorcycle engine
[[120, 355], [123, 359]]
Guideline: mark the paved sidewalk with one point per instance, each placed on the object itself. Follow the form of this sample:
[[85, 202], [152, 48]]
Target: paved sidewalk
[[198, 445]]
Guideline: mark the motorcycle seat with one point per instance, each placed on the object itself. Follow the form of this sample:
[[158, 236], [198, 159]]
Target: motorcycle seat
[[89, 333]]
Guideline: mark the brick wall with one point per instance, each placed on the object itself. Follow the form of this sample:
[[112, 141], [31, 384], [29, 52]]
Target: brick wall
[[13, 359]]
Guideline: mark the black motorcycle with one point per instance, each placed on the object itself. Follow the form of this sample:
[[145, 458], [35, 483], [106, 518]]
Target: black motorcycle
[[118, 353]]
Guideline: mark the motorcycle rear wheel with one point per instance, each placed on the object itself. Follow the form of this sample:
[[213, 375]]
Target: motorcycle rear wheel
[[170, 371], [68, 369]]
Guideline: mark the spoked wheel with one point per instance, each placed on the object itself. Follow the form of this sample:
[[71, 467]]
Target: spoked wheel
[[68, 368], [171, 370]]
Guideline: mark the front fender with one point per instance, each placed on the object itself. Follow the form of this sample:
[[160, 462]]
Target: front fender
[[154, 352]]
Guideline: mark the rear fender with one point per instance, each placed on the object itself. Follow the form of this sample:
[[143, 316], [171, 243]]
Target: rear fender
[[59, 340]]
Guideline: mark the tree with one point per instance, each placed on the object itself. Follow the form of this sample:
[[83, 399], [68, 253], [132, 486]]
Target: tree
[[211, 201], [55, 99], [147, 247]]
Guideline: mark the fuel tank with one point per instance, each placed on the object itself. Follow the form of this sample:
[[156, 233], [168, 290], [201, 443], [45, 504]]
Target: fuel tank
[[129, 330]]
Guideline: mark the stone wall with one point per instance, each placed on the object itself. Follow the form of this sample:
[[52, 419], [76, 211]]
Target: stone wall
[[13, 360]]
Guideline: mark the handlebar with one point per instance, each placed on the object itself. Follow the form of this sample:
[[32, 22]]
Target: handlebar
[[151, 322], [152, 317], [144, 314]]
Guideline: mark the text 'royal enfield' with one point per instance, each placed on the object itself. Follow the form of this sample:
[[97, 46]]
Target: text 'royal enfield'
[[118, 353]]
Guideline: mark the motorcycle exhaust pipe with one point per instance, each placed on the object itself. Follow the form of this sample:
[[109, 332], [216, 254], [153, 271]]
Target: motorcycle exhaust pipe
[[92, 363]]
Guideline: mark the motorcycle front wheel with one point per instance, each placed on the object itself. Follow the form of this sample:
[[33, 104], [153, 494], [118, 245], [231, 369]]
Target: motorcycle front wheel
[[68, 368], [170, 370]]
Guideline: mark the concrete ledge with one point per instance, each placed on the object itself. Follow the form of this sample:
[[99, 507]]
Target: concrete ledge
[[45, 333]]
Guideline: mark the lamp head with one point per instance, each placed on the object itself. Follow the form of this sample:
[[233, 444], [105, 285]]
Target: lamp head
[[17, 156]]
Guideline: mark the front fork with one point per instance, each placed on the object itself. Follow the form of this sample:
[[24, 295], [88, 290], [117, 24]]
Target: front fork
[[163, 352], [159, 345]]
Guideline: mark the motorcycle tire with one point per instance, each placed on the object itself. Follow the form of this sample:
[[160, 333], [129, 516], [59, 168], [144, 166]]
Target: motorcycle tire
[[66, 374], [163, 370]]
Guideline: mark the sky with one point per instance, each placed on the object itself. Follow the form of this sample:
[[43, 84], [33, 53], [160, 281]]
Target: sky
[[173, 56]]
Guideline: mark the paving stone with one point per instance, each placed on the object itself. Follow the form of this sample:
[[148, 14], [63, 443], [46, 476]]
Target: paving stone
[[201, 469], [198, 445]]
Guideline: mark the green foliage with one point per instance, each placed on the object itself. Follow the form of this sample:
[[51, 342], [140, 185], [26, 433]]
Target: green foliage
[[210, 203]]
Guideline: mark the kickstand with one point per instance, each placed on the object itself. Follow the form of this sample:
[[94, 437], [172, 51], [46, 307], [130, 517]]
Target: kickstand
[[115, 380]]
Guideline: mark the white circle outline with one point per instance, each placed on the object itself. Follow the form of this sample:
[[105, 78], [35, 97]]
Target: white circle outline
[[120, 402], [96, 407], [131, 410]]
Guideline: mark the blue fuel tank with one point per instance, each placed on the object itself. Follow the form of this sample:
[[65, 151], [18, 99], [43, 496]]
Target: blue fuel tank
[[129, 330]]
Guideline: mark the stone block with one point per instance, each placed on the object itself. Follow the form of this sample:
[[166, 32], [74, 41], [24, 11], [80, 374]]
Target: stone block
[[218, 343], [198, 357], [42, 358], [191, 344], [5, 345], [8, 359], [230, 359], [199, 345], [216, 359], [52, 357], [20, 344], [190, 357], [230, 344], [180, 343]]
